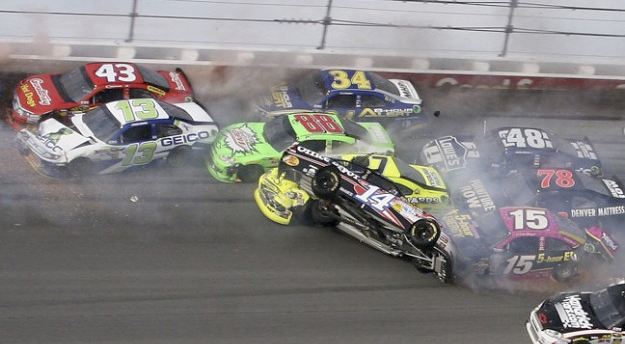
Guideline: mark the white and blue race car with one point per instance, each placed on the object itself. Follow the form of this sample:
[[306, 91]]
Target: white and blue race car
[[117, 136]]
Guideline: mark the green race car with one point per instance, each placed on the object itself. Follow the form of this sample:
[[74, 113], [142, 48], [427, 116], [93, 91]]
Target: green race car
[[242, 152]]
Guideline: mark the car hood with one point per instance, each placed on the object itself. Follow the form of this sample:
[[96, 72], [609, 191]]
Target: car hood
[[243, 142], [53, 140], [39, 95], [567, 312], [281, 97]]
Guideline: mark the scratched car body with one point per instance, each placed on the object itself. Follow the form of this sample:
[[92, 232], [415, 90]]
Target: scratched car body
[[506, 149], [243, 151], [519, 243], [585, 199], [354, 94], [359, 202], [39, 97], [588, 317], [117, 136], [282, 200]]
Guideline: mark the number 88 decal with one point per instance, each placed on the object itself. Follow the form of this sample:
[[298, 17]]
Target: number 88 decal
[[319, 123]]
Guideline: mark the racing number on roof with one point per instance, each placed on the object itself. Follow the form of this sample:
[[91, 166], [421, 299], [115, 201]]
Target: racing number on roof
[[342, 80], [319, 123], [518, 137], [563, 178], [529, 218], [137, 109], [117, 72]]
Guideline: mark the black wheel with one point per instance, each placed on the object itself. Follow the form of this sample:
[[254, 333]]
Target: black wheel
[[179, 157], [80, 167], [326, 182], [250, 173], [321, 213], [565, 272], [424, 233]]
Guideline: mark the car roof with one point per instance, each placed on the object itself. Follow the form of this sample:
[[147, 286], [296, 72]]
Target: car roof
[[145, 76], [302, 130], [125, 113]]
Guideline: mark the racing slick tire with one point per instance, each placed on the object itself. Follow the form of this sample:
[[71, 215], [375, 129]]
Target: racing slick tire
[[565, 272], [179, 157], [424, 233], [250, 173], [326, 182], [80, 167], [320, 214]]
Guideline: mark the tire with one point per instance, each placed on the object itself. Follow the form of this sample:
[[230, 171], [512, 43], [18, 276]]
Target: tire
[[565, 272], [80, 167], [250, 173], [179, 157], [326, 182], [424, 233], [320, 214]]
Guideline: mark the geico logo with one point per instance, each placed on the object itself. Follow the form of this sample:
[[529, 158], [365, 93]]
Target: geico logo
[[186, 138], [312, 153], [50, 144]]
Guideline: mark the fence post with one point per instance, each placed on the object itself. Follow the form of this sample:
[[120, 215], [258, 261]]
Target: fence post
[[509, 27], [327, 20], [133, 15]]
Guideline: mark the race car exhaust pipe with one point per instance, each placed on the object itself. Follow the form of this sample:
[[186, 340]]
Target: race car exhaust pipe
[[356, 233]]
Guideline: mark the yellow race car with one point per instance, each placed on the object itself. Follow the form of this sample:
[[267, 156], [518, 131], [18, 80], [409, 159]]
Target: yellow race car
[[280, 198]]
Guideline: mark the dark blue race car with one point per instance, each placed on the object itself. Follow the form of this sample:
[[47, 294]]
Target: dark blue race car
[[355, 94], [507, 149]]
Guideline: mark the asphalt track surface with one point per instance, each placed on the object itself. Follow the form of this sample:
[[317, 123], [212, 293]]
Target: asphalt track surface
[[172, 256]]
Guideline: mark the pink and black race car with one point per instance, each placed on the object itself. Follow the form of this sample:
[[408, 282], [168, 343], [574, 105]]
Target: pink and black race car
[[43, 96]]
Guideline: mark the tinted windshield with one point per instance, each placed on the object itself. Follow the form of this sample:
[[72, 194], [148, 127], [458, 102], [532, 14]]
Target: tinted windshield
[[102, 123], [279, 133], [153, 77], [383, 84], [408, 172], [491, 228], [311, 88], [608, 306], [75, 84], [355, 130]]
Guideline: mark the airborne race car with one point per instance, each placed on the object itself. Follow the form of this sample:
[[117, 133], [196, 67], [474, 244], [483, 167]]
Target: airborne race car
[[516, 242], [358, 207], [581, 317], [42, 96]]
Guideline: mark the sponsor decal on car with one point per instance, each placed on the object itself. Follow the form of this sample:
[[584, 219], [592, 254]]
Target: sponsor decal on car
[[42, 93], [572, 313], [241, 139], [175, 78], [184, 138], [453, 152], [50, 140], [615, 189], [476, 196], [460, 225]]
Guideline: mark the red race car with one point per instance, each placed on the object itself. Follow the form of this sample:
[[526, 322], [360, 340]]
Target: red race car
[[60, 95]]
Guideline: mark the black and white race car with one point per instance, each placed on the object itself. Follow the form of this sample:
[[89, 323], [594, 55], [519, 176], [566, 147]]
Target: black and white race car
[[363, 203], [580, 317], [506, 149]]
